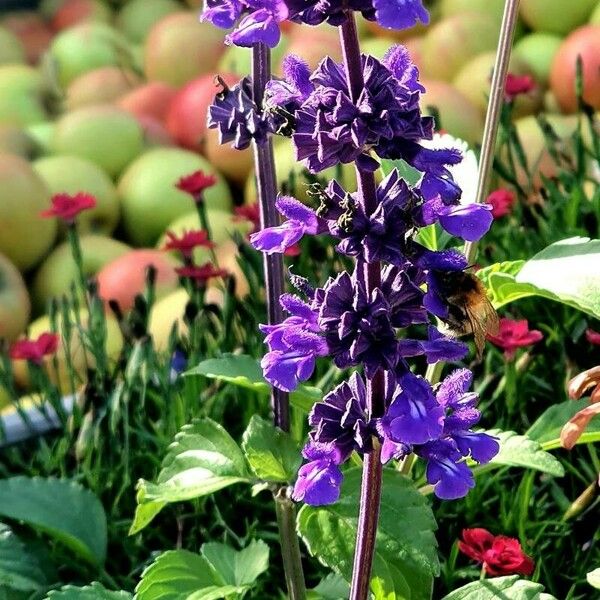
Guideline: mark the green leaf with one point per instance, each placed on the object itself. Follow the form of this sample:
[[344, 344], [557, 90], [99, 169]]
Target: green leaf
[[202, 459], [19, 569], [565, 271], [95, 591], [332, 587], [406, 172], [546, 430], [244, 371], [405, 558], [181, 575], [273, 455], [62, 509], [593, 578], [500, 588], [521, 451], [237, 568]]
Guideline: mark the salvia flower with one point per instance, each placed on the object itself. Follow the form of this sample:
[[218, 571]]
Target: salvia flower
[[35, 350], [319, 480], [187, 242], [499, 554], [517, 85], [195, 184], [513, 335], [501, 201], [200, 274], [67, 207]]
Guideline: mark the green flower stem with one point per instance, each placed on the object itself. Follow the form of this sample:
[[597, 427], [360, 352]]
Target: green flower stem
[[203, 218]]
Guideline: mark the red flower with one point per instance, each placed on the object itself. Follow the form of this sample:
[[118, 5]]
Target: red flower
[[196, 183], [593, 337], [35, 350], [502, 201], [499, 555], [188, 241], [67, 207], [514, 334], [201, 274], [249, 212], [518, 84]]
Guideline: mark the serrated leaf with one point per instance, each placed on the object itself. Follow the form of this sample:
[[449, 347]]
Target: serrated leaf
[[245, 371], [62, 509], [272, 454], [181, 575], [203, 459], [500, 588], [546, 429], [405, 559], [95, 591], [19, 568], [332, 587], [593, 578], [521, 451], [237, 568], [565, 271]]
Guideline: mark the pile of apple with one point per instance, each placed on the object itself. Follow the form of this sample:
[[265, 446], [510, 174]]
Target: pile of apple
[[110, 98]]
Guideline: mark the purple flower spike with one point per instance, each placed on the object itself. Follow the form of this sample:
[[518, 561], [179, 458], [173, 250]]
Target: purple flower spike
[[301, 220], [320, 479], [469, 222], [438, 347], [400, 14]]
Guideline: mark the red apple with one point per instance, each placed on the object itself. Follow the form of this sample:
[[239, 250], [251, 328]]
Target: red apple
[[583, 42], [73, 12], [155, 132], [125, 277], [100, 86], [180, 48], [537, 52], [151, 99], [33, 32], [15, 306]]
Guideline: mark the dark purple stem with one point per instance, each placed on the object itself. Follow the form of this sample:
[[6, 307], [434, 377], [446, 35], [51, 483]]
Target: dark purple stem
[[266, 184], [370, 494]]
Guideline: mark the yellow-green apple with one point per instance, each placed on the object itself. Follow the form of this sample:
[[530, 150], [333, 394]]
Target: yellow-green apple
[[106, 135], [137, 17], [87, 47], [72, 12], [100, 86], [32, 30], [15, 140], [556, 16], [149, 198], [457, 114], [25, 237], [150, 99], [180, 48], [449, 8], [188, 111], [72, 174], [42, 136], [585, 44], [236, 165], [73, 355], [11, 48], [21, 95], [595, 16], [537, 51], [475, 77], [15, 307], [56, 275], [452, 42], [125, 277], [227, 258]]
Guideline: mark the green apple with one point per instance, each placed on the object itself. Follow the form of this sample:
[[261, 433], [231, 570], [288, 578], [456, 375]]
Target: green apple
[[58, 272], [595, 16], [20, 96], [74, 12], [42, 135], [70, 175], [179, 48], [106, 135], [137, 17], [149, 198], [15, 140], [452, 42], [537, 51], [86, 47], [556, 16], [236, 165], [25, 237], [15, 307], [11, 48], [495, 8], [100, 86]]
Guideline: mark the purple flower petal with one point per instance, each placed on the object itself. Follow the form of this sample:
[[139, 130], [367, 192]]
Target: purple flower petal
[[400, 14]]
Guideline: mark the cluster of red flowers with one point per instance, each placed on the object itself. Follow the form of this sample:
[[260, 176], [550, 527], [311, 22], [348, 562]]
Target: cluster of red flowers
[[513, 335], [67, 207], [502, 201], [196, 183], [35, 350], [517, 85]]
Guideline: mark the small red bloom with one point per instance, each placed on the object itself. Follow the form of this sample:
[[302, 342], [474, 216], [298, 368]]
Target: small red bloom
[[67, 207], [502, 201], [196, 183], [201, 274], [35, 350], [518, 84], [188, 241], [593, 337], [514, 334], [499, 555], [249, 212]]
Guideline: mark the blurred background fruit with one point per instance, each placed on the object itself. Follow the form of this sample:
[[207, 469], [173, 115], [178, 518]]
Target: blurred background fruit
[[15, 307]]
